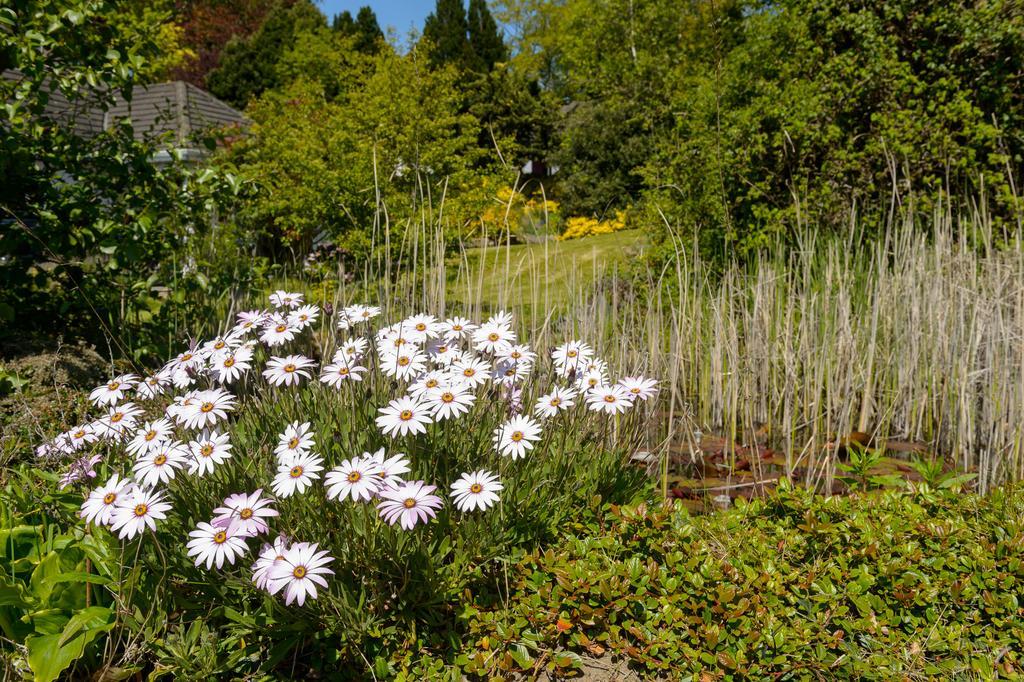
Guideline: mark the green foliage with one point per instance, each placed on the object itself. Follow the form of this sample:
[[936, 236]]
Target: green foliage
[[880, 586], [485, 40], [395, 142], [91, 224], [51, 580], [248, 66]]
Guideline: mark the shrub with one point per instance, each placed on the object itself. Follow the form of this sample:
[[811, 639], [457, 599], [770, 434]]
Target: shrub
[[883, 586]]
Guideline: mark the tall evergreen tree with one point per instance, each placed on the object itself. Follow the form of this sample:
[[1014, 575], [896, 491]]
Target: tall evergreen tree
[[368, 33], [344, 23], [447, 29], [485, 41]]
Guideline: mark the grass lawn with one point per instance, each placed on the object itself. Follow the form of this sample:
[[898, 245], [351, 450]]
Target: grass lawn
[[547, 274]]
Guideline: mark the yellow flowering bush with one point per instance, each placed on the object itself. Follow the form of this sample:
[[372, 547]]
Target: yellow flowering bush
[[580, 226]]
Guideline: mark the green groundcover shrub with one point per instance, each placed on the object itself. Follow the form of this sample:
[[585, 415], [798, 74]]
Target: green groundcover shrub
[[894, 585]]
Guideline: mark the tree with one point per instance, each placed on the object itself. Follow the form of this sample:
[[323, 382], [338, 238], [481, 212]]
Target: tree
[[364, 29], [248, 66], [485, 41], [447, 31]]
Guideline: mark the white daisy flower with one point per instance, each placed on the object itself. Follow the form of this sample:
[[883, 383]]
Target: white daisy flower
[[270, 556], [152, 386], [231, 365], [134, 512], [119, 422], [609, 399], [297, 476], [337, 373], [208, 451], [409, 504], [248, 512], [356, 314], [509, 373], [427, 382], [221, 344], [569, 357], [357, 478], [404, 364], [552, 403], [352, 350], [390, 468], [421, 327], [471, 370], [77, 438], [640, 388], [493, 338], [296, 440], [249, 319], [456, 328], [476, 490], [215, 545], [588, 381], [207, 408], [287, 371], [304, 316], [190, 359], [449, 402], [114, 390], [159, 465], [298, 574], [99, 507], [516, 354], [277, 330], [182, 377], [516, 436], [284, 299], [443, 353], [149, 436], [403, 416]]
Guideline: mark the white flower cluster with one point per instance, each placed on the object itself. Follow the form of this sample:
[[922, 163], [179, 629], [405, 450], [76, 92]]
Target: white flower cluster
[[444, 366]]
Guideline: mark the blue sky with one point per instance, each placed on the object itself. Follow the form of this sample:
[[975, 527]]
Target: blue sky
[[398, 14]]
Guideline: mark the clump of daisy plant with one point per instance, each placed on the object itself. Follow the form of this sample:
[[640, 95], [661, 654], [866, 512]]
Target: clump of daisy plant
[[303, 446]]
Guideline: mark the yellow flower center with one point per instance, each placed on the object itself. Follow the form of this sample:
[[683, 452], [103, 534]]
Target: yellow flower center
[[220, 537], [289, 368], [515, 355], [245, 514], [186, 357], [116, 417], [150, 435], [109, 498], [456, 327], [431, 383], [468, 372], [517, 436], [354, 477], [112, 386], [343, 371], [442, 349], [160, 460], [80, 433], [293, 443], [141, 509], [592, 382], [229, 362], [303, 317], [571, 354], [447, 397], [421, 327], [295, 472], [635, 391], [206, 407], [406, 415], [410, 502], [492, 337], [476, 488], [555, 402], [206, 450], [280, 328], [299, 572], [609, 398], [403, 361], [219, 345]]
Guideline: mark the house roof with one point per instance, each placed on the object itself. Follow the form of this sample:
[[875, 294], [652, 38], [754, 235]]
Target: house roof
[[175, 107]]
